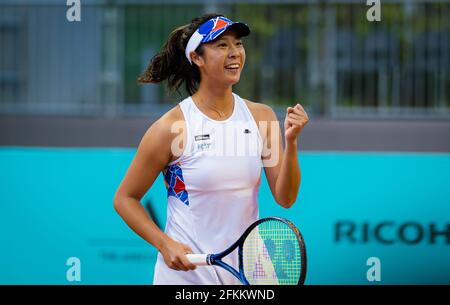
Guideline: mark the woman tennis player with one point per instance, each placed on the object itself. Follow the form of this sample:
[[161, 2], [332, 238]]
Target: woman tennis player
[[211, 149]]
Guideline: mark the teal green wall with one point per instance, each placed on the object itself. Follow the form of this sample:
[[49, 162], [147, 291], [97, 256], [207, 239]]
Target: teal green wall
[[57, 203]]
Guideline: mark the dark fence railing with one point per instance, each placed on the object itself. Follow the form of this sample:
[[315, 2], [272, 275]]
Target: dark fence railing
[[327, 56]]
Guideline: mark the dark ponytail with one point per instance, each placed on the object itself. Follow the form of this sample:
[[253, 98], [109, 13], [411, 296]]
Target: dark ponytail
[[171, 63]]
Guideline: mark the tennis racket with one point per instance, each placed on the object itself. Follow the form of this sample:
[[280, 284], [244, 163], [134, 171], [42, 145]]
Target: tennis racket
[[270, 252]]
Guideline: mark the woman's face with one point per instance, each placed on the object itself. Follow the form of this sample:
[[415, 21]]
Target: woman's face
[[223, 59]]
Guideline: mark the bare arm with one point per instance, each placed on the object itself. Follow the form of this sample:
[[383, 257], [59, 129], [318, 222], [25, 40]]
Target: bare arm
[[281, 165], [152, 156]]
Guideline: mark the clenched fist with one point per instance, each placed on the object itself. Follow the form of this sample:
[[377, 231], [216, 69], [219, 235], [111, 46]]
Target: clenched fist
[[296, 119]]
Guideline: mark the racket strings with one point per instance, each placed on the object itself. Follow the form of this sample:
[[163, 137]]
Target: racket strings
[[272, 255]]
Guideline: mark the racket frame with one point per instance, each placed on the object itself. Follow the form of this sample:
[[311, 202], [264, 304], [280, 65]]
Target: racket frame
[[216, 259]]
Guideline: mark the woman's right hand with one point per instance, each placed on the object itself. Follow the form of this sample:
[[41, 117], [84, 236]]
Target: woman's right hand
[[174, 254]]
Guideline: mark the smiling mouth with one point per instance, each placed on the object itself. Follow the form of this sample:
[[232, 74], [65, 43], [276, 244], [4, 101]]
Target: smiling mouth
[[233, 67]]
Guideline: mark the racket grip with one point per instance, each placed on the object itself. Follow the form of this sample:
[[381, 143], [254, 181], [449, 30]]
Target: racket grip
[[198, 259]]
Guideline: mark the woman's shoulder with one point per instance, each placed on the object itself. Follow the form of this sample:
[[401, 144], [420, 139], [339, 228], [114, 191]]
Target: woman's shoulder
[[163, 131], [165, 125], [261, 112], [173, 115]]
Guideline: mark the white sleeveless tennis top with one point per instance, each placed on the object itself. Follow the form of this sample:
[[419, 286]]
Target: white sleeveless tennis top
[[212, 190]]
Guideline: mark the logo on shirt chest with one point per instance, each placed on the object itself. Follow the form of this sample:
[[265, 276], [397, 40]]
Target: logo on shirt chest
[[202, 137], [235, 139], [203, 142], [204, 146]]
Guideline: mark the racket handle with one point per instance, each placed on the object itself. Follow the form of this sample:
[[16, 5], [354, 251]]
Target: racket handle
[[198, 259]]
